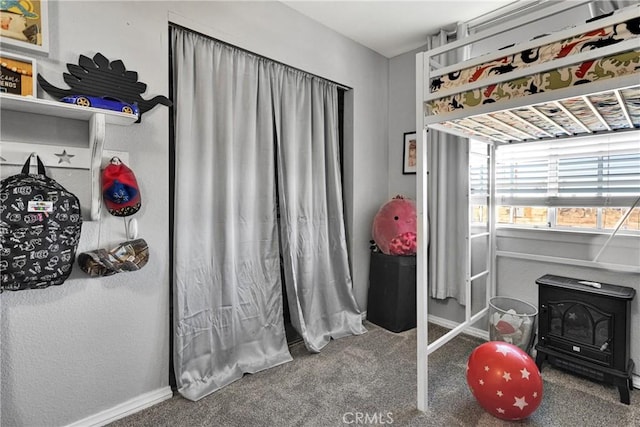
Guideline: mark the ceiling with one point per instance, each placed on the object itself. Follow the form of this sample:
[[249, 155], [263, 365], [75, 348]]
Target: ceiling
[[393, 27]]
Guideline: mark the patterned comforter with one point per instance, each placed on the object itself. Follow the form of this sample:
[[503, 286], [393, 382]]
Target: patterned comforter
[[602, 68]]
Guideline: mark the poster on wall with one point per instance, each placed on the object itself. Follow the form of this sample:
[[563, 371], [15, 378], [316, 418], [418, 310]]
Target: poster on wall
[[17, 75], [24, 24], [409, 157]]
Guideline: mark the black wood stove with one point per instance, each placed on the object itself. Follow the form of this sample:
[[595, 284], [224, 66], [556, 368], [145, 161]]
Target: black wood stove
[[583, 328]]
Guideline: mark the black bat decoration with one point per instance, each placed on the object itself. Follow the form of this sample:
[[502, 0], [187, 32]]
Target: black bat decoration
[[99, 77]]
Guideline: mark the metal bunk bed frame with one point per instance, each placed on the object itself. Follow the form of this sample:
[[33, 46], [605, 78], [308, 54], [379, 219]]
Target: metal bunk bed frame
[[424, 66]]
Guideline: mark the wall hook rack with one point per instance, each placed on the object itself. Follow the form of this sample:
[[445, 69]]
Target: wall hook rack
[[86, 158]]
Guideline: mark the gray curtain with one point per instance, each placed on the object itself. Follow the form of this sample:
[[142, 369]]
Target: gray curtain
[[448, 210], [317, 275], [228, 316]]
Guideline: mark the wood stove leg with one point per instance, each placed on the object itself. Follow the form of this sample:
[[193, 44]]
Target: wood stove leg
[[540, 358], [623, 388]]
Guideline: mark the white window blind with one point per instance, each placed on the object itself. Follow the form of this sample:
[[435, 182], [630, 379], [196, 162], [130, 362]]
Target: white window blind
[[595, 171]]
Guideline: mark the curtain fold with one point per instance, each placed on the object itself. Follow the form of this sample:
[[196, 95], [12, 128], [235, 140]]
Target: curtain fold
[[317, 275], [448, 209], [254, 139], [227, 298]]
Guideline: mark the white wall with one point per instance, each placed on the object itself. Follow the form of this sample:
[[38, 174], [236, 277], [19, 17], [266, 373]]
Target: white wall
[[402, 118], [72, 351]]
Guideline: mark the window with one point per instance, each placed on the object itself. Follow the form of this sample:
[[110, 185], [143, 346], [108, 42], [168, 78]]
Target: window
[[585, 183]]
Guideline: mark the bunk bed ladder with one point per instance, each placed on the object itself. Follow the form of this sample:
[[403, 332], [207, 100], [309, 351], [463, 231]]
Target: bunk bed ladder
[[486, 199]]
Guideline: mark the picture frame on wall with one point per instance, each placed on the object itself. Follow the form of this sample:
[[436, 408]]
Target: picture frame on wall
[[25, 24], [410, 155], [18, 75]]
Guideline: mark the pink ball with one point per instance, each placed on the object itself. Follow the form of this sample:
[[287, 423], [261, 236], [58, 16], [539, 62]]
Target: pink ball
[[504, 380], [394, 227]]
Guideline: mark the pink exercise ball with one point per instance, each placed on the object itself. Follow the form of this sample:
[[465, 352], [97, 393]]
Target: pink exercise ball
[[504, 380]]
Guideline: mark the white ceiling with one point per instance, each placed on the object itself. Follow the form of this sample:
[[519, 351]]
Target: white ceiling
[[393, 27]]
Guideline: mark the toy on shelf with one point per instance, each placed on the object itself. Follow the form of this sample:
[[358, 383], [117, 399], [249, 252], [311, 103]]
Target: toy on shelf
[[98, 77], [105, 102]]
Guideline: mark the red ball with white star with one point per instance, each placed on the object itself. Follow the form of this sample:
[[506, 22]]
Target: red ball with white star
[[504, 380]]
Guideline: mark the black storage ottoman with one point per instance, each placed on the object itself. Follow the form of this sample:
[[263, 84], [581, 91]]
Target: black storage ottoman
[[392, 292]]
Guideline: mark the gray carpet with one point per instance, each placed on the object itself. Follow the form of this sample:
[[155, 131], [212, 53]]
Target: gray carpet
[[375, 375]]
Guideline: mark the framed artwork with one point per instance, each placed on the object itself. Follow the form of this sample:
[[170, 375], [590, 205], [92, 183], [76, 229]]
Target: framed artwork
[[410, 156], [17, 75], [25, 24]]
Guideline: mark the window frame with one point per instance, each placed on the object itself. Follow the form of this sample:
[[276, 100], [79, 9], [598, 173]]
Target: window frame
[[553, 200]]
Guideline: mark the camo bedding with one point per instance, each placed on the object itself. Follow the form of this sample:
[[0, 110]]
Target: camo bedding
[[602, 68]]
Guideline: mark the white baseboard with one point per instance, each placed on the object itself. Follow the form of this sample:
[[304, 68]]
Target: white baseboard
[[126, 408], [449, 324]]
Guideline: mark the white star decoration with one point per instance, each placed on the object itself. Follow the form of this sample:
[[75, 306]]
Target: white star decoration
[[481, 382], [486, 368], [502, 349], [499, 393], [65, 157], [500, 410], [573, 316], [525, 373], [507, 376], [520, 402], [535, 394]]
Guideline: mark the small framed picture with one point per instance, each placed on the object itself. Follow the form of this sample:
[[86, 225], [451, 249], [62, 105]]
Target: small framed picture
[[410, 155], [25, 24], [17, 75]]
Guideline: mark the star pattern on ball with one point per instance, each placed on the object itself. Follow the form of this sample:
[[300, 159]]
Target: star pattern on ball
[[520, 402], [502, 349], [504, 380]]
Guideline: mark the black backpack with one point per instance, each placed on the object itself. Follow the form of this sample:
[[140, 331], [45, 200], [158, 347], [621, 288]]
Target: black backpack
[[40, 225]]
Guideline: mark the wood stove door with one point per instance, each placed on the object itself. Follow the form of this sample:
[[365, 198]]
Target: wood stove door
[[579, 329]]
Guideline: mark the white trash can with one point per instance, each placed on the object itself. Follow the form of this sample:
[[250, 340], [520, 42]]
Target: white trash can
[[513, 321]]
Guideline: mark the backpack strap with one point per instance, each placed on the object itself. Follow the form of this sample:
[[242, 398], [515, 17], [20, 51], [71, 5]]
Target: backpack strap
[[25, 168]]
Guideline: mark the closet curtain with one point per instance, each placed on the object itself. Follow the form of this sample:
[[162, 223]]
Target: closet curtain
[[249, 137], [448, 210], [317, 275]]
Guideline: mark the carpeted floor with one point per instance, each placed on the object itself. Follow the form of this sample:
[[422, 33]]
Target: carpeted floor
[[374, 375]]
